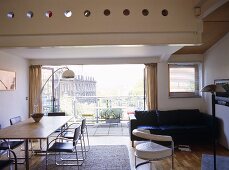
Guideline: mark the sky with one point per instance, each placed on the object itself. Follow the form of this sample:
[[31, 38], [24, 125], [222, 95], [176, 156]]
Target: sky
[[112, 78]]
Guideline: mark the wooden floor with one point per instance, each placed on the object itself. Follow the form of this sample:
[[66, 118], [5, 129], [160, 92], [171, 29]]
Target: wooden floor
[[183, 160]]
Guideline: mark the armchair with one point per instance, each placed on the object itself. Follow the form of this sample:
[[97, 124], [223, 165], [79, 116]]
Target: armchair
[[151, 151]]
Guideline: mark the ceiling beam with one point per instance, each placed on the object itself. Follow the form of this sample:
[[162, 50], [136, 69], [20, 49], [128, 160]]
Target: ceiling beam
[[146, 22], [209, 6]]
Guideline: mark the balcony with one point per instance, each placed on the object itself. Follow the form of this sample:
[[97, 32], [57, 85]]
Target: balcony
[[96, 108]]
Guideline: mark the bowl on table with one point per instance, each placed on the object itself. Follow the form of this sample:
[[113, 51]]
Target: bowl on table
[[37, 116]]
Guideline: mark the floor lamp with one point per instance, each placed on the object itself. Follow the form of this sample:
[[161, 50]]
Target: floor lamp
[[67, 74], [212, 88]]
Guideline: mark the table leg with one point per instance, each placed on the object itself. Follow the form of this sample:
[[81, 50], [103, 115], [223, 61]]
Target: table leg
[[27, 154]]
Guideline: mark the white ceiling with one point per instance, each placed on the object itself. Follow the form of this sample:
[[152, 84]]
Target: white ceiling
[[81, 52]]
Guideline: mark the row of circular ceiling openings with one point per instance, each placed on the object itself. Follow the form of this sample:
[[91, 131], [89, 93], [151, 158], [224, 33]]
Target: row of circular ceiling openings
[[87, 13]]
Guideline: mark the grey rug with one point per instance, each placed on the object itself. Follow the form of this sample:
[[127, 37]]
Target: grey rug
[[99, 157], [222, 162]]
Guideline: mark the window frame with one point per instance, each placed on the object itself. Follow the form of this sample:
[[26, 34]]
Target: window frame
[[198, 73]]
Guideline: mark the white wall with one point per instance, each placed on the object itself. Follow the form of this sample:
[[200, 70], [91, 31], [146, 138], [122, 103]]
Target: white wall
[[217, 67], [14, 103], [166, 103]]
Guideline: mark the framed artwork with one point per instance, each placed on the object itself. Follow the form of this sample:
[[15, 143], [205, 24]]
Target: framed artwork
[[7, 80], [223, 98]]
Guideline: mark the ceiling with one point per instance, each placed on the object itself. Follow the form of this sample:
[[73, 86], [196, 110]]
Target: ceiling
[[215, 26], [114, 51]]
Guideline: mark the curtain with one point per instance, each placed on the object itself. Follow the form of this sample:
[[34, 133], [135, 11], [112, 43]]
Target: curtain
[[34, 88], [151, 85]]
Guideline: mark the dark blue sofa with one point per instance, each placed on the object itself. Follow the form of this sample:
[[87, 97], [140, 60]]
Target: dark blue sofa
[[187, 126]]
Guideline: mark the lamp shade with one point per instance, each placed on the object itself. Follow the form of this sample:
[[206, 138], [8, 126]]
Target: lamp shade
[[213, 88], [68, 74]]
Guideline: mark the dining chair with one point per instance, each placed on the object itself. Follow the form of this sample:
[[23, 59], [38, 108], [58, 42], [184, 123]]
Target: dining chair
[[16, 120], [7, 145], [62, 145], [9, 161], [84, 131], [151, 151], [58, 114], [69, 135]]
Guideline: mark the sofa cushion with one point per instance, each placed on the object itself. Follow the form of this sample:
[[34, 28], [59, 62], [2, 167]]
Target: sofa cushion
[[152, 129], [197, 129], [170, 117], [147, 118], [190, 117], [172, 129]]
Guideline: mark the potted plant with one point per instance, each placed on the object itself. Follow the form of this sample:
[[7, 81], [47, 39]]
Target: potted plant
[[111, 115]]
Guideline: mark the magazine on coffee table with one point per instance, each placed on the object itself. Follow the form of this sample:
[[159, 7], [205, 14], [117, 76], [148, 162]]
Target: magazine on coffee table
[[184, 148]]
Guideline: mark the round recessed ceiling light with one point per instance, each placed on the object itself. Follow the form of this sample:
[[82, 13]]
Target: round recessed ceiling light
[[29, 14], [87, 13], [48, 14], [68, 13], [10, 15]]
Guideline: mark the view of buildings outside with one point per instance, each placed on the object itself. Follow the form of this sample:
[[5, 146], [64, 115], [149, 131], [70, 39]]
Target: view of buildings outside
[[94, 90]]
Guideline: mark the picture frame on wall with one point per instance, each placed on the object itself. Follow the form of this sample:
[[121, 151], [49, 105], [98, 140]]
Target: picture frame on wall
[[223, 98], [7, 80]]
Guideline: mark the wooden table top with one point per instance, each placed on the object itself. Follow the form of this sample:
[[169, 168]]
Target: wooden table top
[[28, 129]]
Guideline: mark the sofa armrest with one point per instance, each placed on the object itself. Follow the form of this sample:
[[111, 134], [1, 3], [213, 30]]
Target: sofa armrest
[[208, 120], [132, 117], [133, 123]]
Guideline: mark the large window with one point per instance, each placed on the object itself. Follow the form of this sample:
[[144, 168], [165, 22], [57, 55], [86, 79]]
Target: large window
[[95, 89], [184, 80]]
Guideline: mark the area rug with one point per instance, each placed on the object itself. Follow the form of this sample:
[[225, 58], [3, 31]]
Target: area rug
[[222, 162], [99, 157]]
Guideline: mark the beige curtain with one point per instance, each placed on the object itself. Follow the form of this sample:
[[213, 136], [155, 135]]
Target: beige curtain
[[151, 85], [34, 88]]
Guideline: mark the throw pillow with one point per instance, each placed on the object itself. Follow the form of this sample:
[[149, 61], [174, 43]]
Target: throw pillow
[[170, 117], [190, 117], [148, 118]]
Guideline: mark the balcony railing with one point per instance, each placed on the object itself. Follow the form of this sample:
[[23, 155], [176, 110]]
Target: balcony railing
[[96, 104], [93, 106]]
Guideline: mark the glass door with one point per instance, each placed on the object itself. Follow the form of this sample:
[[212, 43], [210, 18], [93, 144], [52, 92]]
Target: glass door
[[48, 94]]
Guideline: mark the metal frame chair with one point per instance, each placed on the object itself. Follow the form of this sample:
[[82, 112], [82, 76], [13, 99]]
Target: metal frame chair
[[6, 145], [9, 161], [58, 131], [15, 120], [16, 143], [151, 151], [69, 134], [85, 131], [58, 114], [58, 145]]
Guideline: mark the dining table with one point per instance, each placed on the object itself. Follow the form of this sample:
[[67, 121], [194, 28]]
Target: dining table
[[29, 129]]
